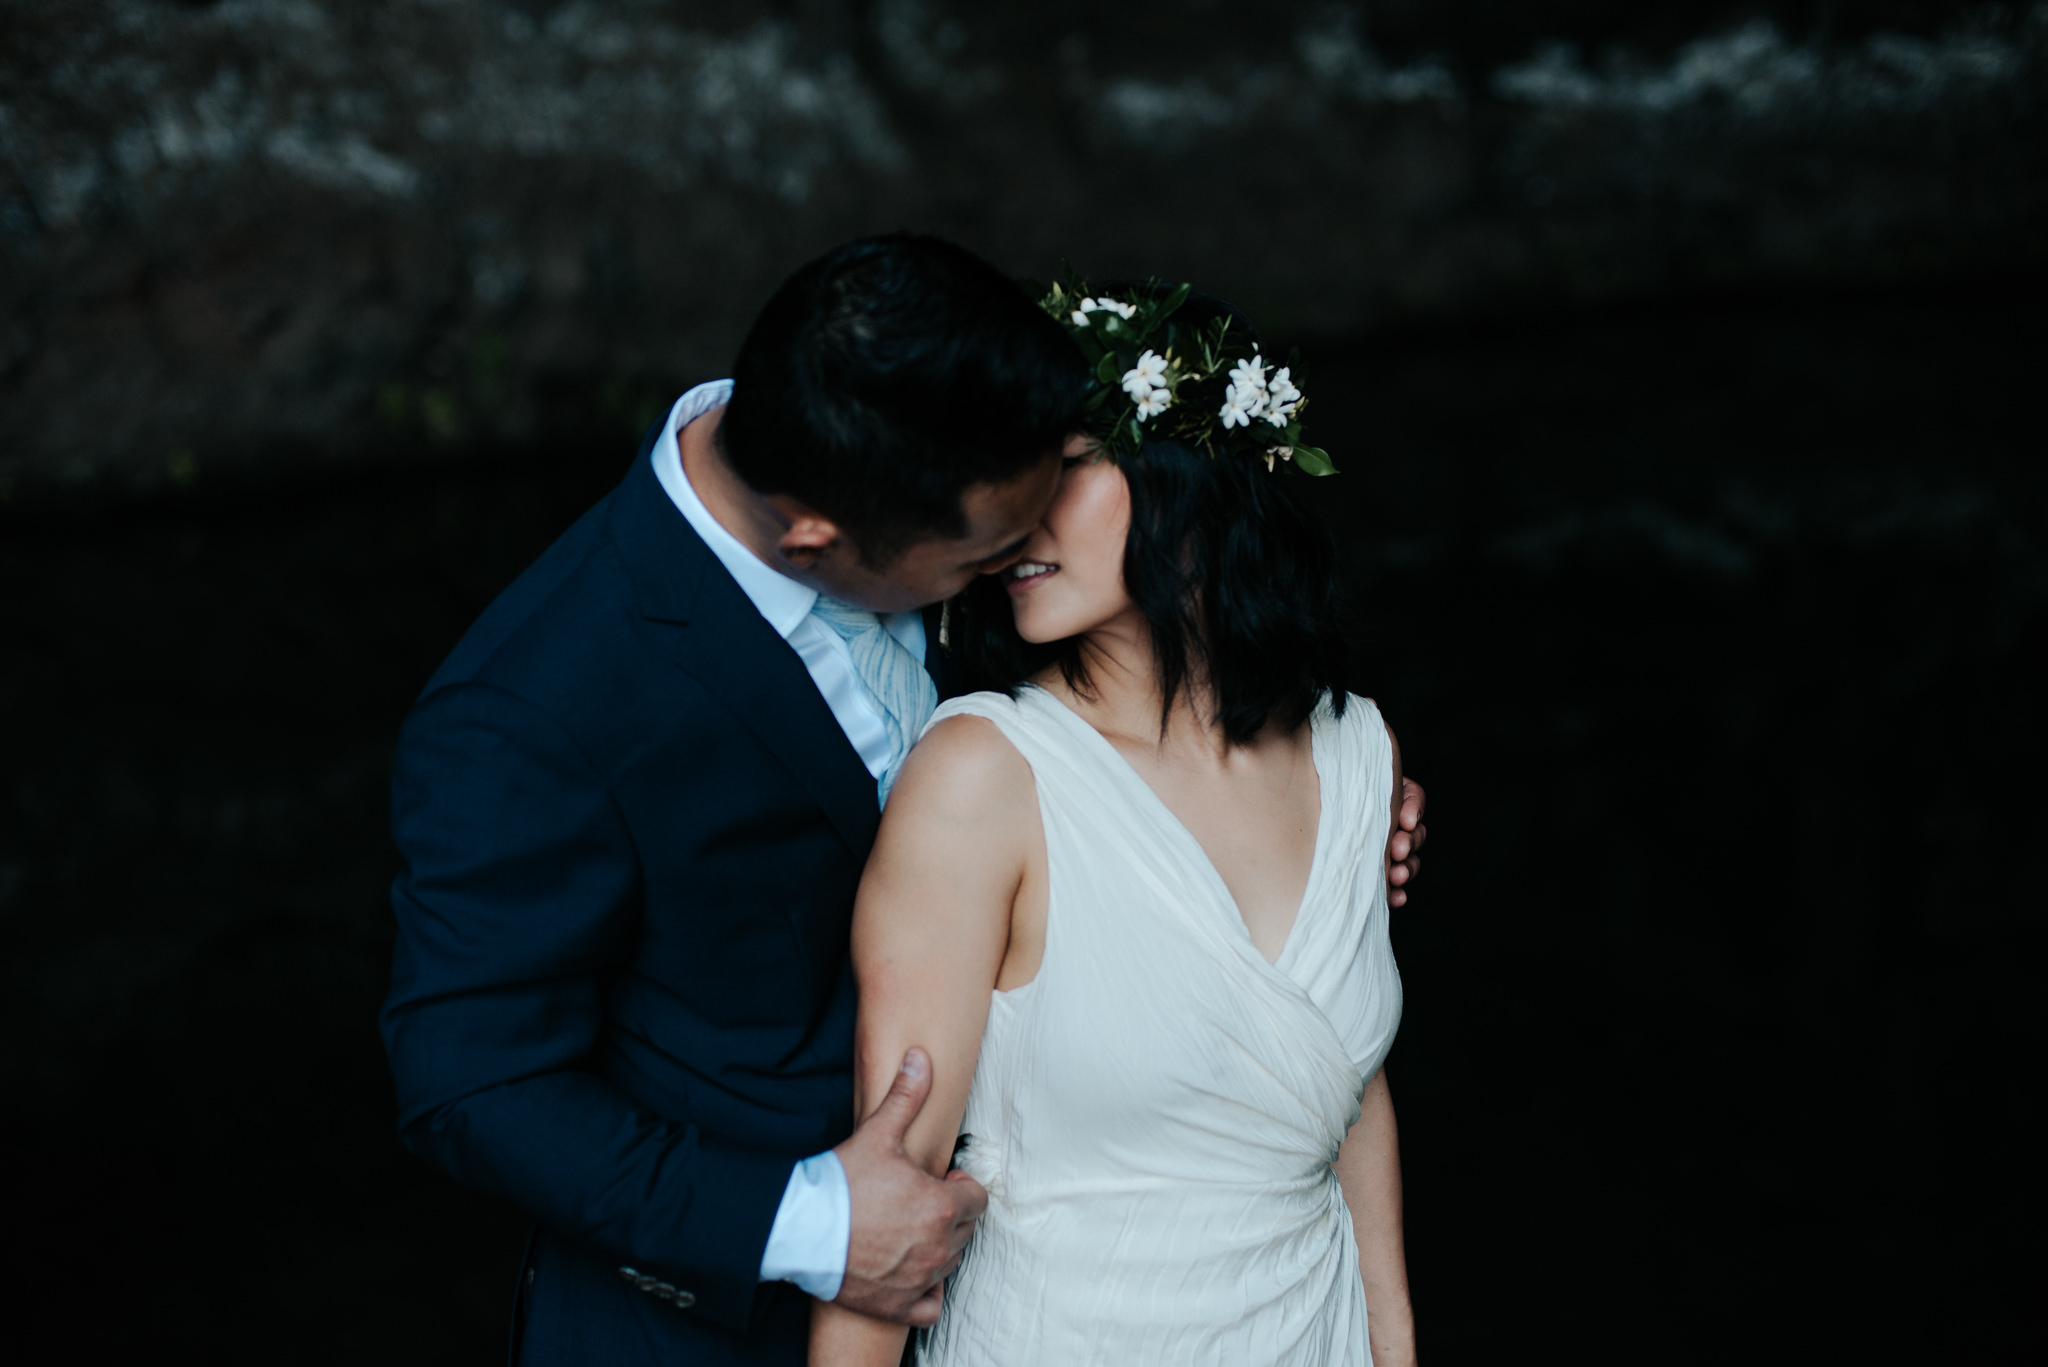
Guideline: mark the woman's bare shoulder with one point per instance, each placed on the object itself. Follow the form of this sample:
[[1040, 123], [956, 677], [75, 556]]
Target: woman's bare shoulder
[[964, 768], [955, 839]]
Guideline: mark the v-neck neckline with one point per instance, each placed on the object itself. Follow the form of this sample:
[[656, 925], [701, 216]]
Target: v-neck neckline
[[1208, 864]]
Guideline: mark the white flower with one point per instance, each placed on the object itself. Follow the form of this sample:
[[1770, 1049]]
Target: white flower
[[1274, 453], [1242, 405], [1091, 305], [1146, 382], [1148, 373], [1252, 372], [1281, 397]]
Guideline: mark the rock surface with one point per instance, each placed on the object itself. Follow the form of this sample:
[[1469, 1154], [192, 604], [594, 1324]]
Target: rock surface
[[272, 235]]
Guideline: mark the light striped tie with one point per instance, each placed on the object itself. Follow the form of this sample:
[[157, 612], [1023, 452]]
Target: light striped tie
[[892, 676]]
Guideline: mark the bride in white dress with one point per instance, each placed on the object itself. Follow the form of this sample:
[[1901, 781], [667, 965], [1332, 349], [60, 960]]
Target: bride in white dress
[[1132, 901]]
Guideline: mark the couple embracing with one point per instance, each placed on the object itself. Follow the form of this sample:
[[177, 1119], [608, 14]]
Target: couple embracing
[[1100, 967]]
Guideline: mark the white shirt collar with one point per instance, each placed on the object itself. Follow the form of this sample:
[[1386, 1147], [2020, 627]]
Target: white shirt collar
[[782, 601]]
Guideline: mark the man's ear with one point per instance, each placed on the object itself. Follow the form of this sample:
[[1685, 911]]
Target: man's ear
[[807, 534]]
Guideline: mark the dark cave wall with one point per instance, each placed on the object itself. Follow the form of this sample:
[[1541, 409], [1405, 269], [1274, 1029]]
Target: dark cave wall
[[1716, 634], [277, 234]]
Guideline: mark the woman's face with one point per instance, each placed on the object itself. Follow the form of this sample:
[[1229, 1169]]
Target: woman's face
[[1071, 579]]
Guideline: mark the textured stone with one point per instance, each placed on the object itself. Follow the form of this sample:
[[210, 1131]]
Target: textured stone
[[273, 234]]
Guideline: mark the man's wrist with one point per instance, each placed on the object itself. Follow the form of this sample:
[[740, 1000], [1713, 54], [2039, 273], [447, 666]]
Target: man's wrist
[[813, 1228]]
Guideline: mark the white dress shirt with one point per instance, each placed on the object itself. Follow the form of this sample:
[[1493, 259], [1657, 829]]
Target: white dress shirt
[[813, 1226]]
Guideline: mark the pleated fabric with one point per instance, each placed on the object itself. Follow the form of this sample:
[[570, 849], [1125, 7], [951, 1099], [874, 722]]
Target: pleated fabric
[[1155, 1114]]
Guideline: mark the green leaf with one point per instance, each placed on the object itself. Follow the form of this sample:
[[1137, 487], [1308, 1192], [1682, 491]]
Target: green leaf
[[1313, 460], [1173, 301], [1105, 369], [1212, 344]]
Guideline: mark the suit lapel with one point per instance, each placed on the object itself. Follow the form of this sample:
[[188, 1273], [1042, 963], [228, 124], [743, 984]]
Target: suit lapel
[[708, 627]]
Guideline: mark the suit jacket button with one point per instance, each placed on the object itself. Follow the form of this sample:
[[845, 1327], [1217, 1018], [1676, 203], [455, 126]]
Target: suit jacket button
[[685, 1299]]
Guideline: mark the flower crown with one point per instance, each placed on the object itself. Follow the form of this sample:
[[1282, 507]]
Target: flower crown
[[1179, 382]]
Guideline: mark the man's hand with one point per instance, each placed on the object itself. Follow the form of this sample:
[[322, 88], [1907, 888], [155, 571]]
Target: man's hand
[[908, 1226], [1404, 849]]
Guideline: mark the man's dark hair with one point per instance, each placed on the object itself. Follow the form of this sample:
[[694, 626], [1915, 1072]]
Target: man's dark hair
[[1236, 577], [889, 376]]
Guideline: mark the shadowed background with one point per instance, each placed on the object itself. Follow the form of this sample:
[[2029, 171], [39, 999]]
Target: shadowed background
[[1683, 367]]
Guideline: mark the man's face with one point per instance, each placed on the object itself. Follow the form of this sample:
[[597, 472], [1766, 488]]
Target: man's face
[[999, 518]]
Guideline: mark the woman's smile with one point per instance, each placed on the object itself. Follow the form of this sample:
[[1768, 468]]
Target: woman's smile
[[1027, 575]]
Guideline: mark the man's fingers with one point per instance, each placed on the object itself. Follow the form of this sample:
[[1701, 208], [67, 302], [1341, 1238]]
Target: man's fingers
[[1421, 834], [1396, 898], [1412, 800], [924, 1311], [906, 1098], [970, 1196]]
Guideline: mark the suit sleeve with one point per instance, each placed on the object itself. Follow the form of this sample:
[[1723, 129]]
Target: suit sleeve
[[520, 898]]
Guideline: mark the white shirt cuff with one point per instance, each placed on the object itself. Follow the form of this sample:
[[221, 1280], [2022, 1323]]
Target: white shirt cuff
[[813, 1227]]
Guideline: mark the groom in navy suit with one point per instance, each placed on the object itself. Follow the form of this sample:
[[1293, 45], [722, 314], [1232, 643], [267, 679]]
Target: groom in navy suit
[[635, 801]]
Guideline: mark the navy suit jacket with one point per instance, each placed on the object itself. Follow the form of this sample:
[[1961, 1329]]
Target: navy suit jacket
[[621, 995]]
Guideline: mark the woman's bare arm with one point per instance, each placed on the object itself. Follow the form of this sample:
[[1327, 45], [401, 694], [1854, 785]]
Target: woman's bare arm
[[1369, 1169], [931, 927]]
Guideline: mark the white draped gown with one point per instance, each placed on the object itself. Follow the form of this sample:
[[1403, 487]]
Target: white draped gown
[[1155, 1113]]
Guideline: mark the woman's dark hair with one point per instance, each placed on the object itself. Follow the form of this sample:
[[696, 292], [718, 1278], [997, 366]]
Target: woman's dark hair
[[887, 377], [1235, 576]]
